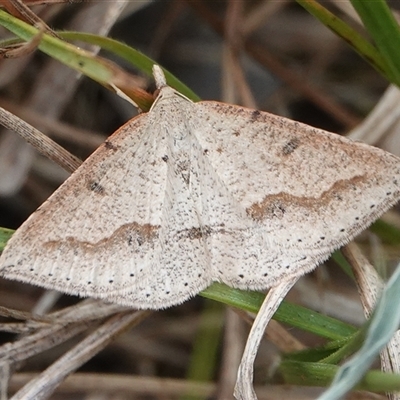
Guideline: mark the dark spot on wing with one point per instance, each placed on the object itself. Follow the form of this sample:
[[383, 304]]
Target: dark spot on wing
[[164, 158], [290, 146], [275, 209], [109, 145], [337, 196], [194, 233], [183, 169], [96, 187], [255, 115]]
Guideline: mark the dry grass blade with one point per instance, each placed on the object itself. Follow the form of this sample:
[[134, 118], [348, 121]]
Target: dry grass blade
[[13, 353], [43, 385], [382, 124], [10, 313], [86, 310], [62, 325], [20, 10], [232, 351], [368, 282], [41, 340], [260, 13], [24, 49], [132, 385], [235, 86], [370, 286], [62, 131], [244, 389], [39, 141]]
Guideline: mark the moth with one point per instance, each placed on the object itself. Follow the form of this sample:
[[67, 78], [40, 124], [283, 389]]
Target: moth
[[194, 193]]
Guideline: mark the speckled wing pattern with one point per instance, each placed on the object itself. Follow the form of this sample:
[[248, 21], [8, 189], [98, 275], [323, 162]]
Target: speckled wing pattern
[[192, 193]]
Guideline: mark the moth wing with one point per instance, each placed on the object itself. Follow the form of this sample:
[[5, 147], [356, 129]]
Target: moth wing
[[304, 191], [104, 232]]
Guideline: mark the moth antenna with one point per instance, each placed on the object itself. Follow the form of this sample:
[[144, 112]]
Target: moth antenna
[[159, 76]]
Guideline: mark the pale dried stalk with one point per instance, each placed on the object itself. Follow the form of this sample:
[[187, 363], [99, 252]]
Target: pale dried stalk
[[132, 385], [43, 385], [382, 124], [244, 389], [260, 13], [370, 285], [233, 345], [21, 11], [234, 84], [54, 128], [40, 341], [42, 143], [49, 331]]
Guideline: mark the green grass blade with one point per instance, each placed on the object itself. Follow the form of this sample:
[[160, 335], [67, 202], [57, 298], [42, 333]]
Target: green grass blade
[[204, 358], [134, 57], [96, 68], [388, 233], [332, 352], [291, 314], [320, 374], [317, 354], [5, 234], [364, 48], [339, 258], [62, 51], [384, 29]]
